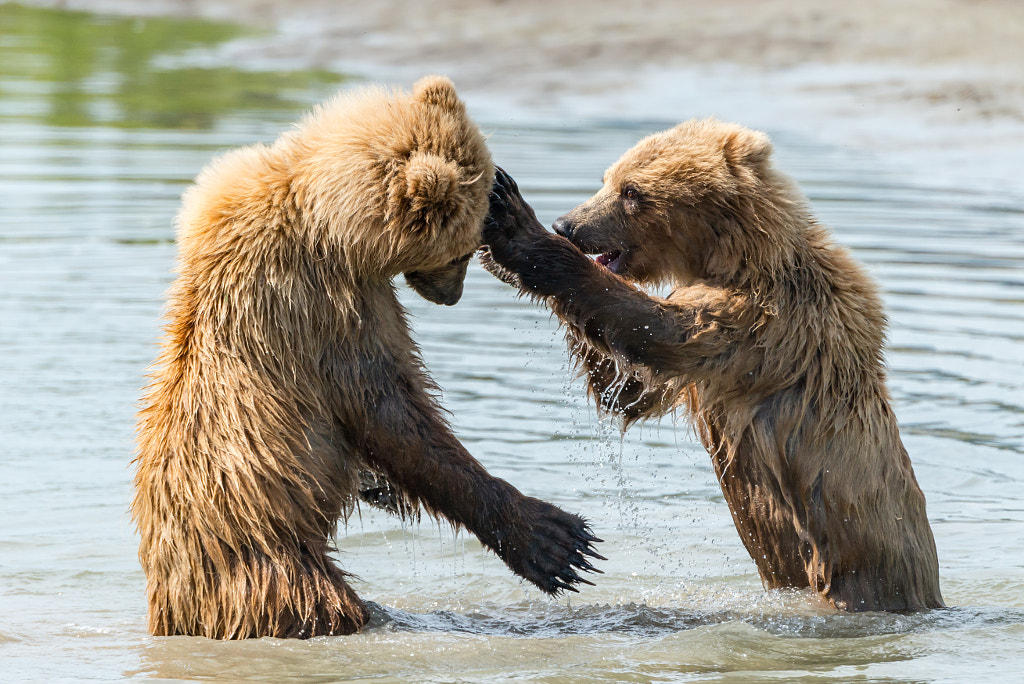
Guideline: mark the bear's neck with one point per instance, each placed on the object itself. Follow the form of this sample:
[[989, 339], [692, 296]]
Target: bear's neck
[[808, 276]]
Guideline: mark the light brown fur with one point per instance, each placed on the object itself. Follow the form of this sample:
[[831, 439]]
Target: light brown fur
[[772, 339], [288, 370]]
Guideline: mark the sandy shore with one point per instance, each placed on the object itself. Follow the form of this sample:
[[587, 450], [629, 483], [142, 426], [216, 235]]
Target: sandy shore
[[874, 73]]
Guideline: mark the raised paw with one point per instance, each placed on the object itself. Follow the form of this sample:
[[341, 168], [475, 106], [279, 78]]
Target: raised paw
[[552, 548], [500, 224], [511, 224]]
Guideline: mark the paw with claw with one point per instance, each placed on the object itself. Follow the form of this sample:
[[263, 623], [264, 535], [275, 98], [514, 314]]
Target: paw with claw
[[549, 547], [511, 230]]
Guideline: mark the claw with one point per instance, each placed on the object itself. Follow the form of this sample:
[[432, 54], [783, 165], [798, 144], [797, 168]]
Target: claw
[[560, 585], [506, 181], [575, 577]]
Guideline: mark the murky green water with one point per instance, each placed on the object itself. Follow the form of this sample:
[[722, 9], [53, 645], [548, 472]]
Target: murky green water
[[70, 69], [102, 125]]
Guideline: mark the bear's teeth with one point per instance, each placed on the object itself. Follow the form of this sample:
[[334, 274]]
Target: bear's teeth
[[609, 260]]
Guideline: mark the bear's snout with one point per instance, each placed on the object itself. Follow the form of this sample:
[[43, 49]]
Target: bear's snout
[[564, 226]]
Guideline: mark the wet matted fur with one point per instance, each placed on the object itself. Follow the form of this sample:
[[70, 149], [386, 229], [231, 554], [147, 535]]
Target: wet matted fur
[[772, 340], [288, 379]]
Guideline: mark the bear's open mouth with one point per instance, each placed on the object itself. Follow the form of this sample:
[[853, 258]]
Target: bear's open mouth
[[610, 260]]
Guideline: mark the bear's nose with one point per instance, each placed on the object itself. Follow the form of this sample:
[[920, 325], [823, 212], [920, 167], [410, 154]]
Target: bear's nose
[[563, 226]]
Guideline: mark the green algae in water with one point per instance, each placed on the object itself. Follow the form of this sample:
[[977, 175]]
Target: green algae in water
[[94, 70]]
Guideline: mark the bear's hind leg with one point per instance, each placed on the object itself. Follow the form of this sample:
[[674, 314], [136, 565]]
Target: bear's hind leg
[[318, 602], [251, 595]]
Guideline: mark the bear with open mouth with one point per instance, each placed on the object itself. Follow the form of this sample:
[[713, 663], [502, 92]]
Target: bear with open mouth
[[771, 340]]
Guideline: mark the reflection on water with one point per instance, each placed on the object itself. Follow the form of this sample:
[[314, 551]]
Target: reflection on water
[[83, 70], [97, 147]]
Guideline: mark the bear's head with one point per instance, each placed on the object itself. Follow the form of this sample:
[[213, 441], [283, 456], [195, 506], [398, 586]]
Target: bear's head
[[684, 204], [399, 181]]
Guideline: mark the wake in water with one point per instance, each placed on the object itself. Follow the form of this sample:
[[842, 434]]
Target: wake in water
[[551, 620]]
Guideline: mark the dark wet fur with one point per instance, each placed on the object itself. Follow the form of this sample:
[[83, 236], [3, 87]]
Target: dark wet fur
[[773, 345]]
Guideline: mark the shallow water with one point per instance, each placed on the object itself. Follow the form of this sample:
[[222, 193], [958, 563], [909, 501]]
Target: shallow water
[[96, 149]]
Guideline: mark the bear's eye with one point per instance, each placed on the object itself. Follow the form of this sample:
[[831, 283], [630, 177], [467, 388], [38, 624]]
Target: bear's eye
[[630, 193]]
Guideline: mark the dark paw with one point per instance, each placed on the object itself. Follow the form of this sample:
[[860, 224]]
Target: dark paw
[[553, 549], [499, 226], [511, 225]]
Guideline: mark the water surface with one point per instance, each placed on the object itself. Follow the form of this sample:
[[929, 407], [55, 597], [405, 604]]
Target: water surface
[[103, 122]]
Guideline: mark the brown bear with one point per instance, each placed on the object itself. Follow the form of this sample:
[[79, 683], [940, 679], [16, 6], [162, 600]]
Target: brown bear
[[772, 340], [289, 373]]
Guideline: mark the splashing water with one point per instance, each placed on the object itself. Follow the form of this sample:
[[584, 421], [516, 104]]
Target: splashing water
[[89, 186]]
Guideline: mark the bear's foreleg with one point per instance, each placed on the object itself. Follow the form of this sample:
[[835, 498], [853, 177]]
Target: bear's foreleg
[[685, 337], [407, 439]]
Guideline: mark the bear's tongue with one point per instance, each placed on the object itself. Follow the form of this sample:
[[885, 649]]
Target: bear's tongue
[[609, 260]]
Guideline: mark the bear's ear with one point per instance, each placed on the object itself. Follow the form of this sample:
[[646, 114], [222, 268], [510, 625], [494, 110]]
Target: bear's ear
[[431, 184], [438, 91], [744, 147]]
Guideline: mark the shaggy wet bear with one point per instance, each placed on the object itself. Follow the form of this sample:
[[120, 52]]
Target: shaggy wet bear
[[772, 340], [289, 381]]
